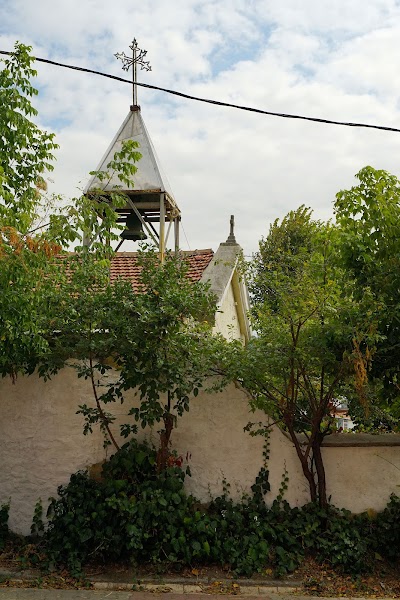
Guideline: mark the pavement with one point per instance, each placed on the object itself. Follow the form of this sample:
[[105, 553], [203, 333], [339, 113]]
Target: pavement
[[169, 586], [40, 594], [149, 591], [118, 587]]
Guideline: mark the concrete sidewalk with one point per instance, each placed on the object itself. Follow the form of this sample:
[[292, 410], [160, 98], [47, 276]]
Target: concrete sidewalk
[[41, 594], [149, 591], [120, 586], [38, 594], [167, 585]]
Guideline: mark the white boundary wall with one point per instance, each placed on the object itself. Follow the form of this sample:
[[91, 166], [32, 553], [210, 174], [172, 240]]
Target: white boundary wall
[[41, 444]]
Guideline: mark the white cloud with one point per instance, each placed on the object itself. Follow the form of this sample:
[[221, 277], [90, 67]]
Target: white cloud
[[333, 60], [341, 16]]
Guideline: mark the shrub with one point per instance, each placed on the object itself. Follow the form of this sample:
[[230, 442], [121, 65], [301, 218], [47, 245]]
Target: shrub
[[387, 526], [135, 514], [131, 513], [4, 511], [339, 538], [249, 536]]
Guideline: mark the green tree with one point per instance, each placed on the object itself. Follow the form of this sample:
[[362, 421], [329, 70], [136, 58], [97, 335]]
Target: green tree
[[26, 152], [26, 262], [172, 351], [30, 273], [368, 216], [157, 342], [57, 307], [311, 345], [33, 280]]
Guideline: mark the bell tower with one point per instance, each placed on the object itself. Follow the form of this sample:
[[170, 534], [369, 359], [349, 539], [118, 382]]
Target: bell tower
[[150, 211]]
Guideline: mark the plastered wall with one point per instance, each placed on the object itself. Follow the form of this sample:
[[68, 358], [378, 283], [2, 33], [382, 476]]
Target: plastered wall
[[41, 444], [226, 319]]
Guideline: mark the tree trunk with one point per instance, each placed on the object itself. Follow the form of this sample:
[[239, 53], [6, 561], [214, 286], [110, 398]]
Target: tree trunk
[[309, 475], [307, 470], [165, 435], [320, 469]]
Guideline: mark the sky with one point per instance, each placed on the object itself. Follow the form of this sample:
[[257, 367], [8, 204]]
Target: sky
[[332, 59]]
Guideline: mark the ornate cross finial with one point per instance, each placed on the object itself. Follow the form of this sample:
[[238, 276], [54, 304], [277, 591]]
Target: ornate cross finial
[[231, 241], [138, 56]]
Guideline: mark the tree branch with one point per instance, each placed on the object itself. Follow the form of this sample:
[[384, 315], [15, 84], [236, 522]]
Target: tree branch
[[101, 412]]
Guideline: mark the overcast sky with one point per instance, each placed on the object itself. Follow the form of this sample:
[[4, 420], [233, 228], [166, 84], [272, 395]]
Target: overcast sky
[[334, 59]]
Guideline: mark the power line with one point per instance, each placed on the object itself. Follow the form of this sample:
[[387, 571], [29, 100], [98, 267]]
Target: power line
[[216, 102], [184, 233]]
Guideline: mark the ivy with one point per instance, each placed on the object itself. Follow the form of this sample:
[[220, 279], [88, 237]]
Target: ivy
[[4, 511], [134, 514]]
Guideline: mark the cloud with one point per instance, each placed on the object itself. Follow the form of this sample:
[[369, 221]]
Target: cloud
[[345, 19], [333, 60]]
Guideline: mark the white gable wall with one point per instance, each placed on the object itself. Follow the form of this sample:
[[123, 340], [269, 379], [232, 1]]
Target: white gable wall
[[227, 319], [231, 319]]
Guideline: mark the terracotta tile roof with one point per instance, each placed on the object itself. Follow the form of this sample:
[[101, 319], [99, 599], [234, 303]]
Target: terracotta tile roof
[[198, 261], [124, 264]]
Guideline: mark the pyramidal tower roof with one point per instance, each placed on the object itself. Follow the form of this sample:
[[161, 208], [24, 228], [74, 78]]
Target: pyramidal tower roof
[[149, 178]]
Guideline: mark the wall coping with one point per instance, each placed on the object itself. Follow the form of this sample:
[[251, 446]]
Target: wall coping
[[362, 440]]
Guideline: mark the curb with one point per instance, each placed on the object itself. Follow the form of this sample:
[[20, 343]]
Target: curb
[[228, 587], [181, 586]]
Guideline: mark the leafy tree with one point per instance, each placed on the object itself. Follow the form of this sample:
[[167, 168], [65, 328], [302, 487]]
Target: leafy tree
[[33, 280], [171, 350], [26, 152], [368, 216], [26, 261], [158, 342], [30, 274], [312, 341], [26, 266], [55, 308]]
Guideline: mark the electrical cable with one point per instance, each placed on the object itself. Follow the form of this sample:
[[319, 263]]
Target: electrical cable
[[184, 233], [216, 102]]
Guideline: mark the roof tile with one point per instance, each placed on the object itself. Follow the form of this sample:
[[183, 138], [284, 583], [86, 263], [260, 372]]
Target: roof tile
[[125, 265]]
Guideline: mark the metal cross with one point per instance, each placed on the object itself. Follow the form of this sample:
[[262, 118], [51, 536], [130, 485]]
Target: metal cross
[[137, 58]]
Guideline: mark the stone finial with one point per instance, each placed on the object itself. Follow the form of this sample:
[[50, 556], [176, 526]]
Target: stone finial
[[231, 241]]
